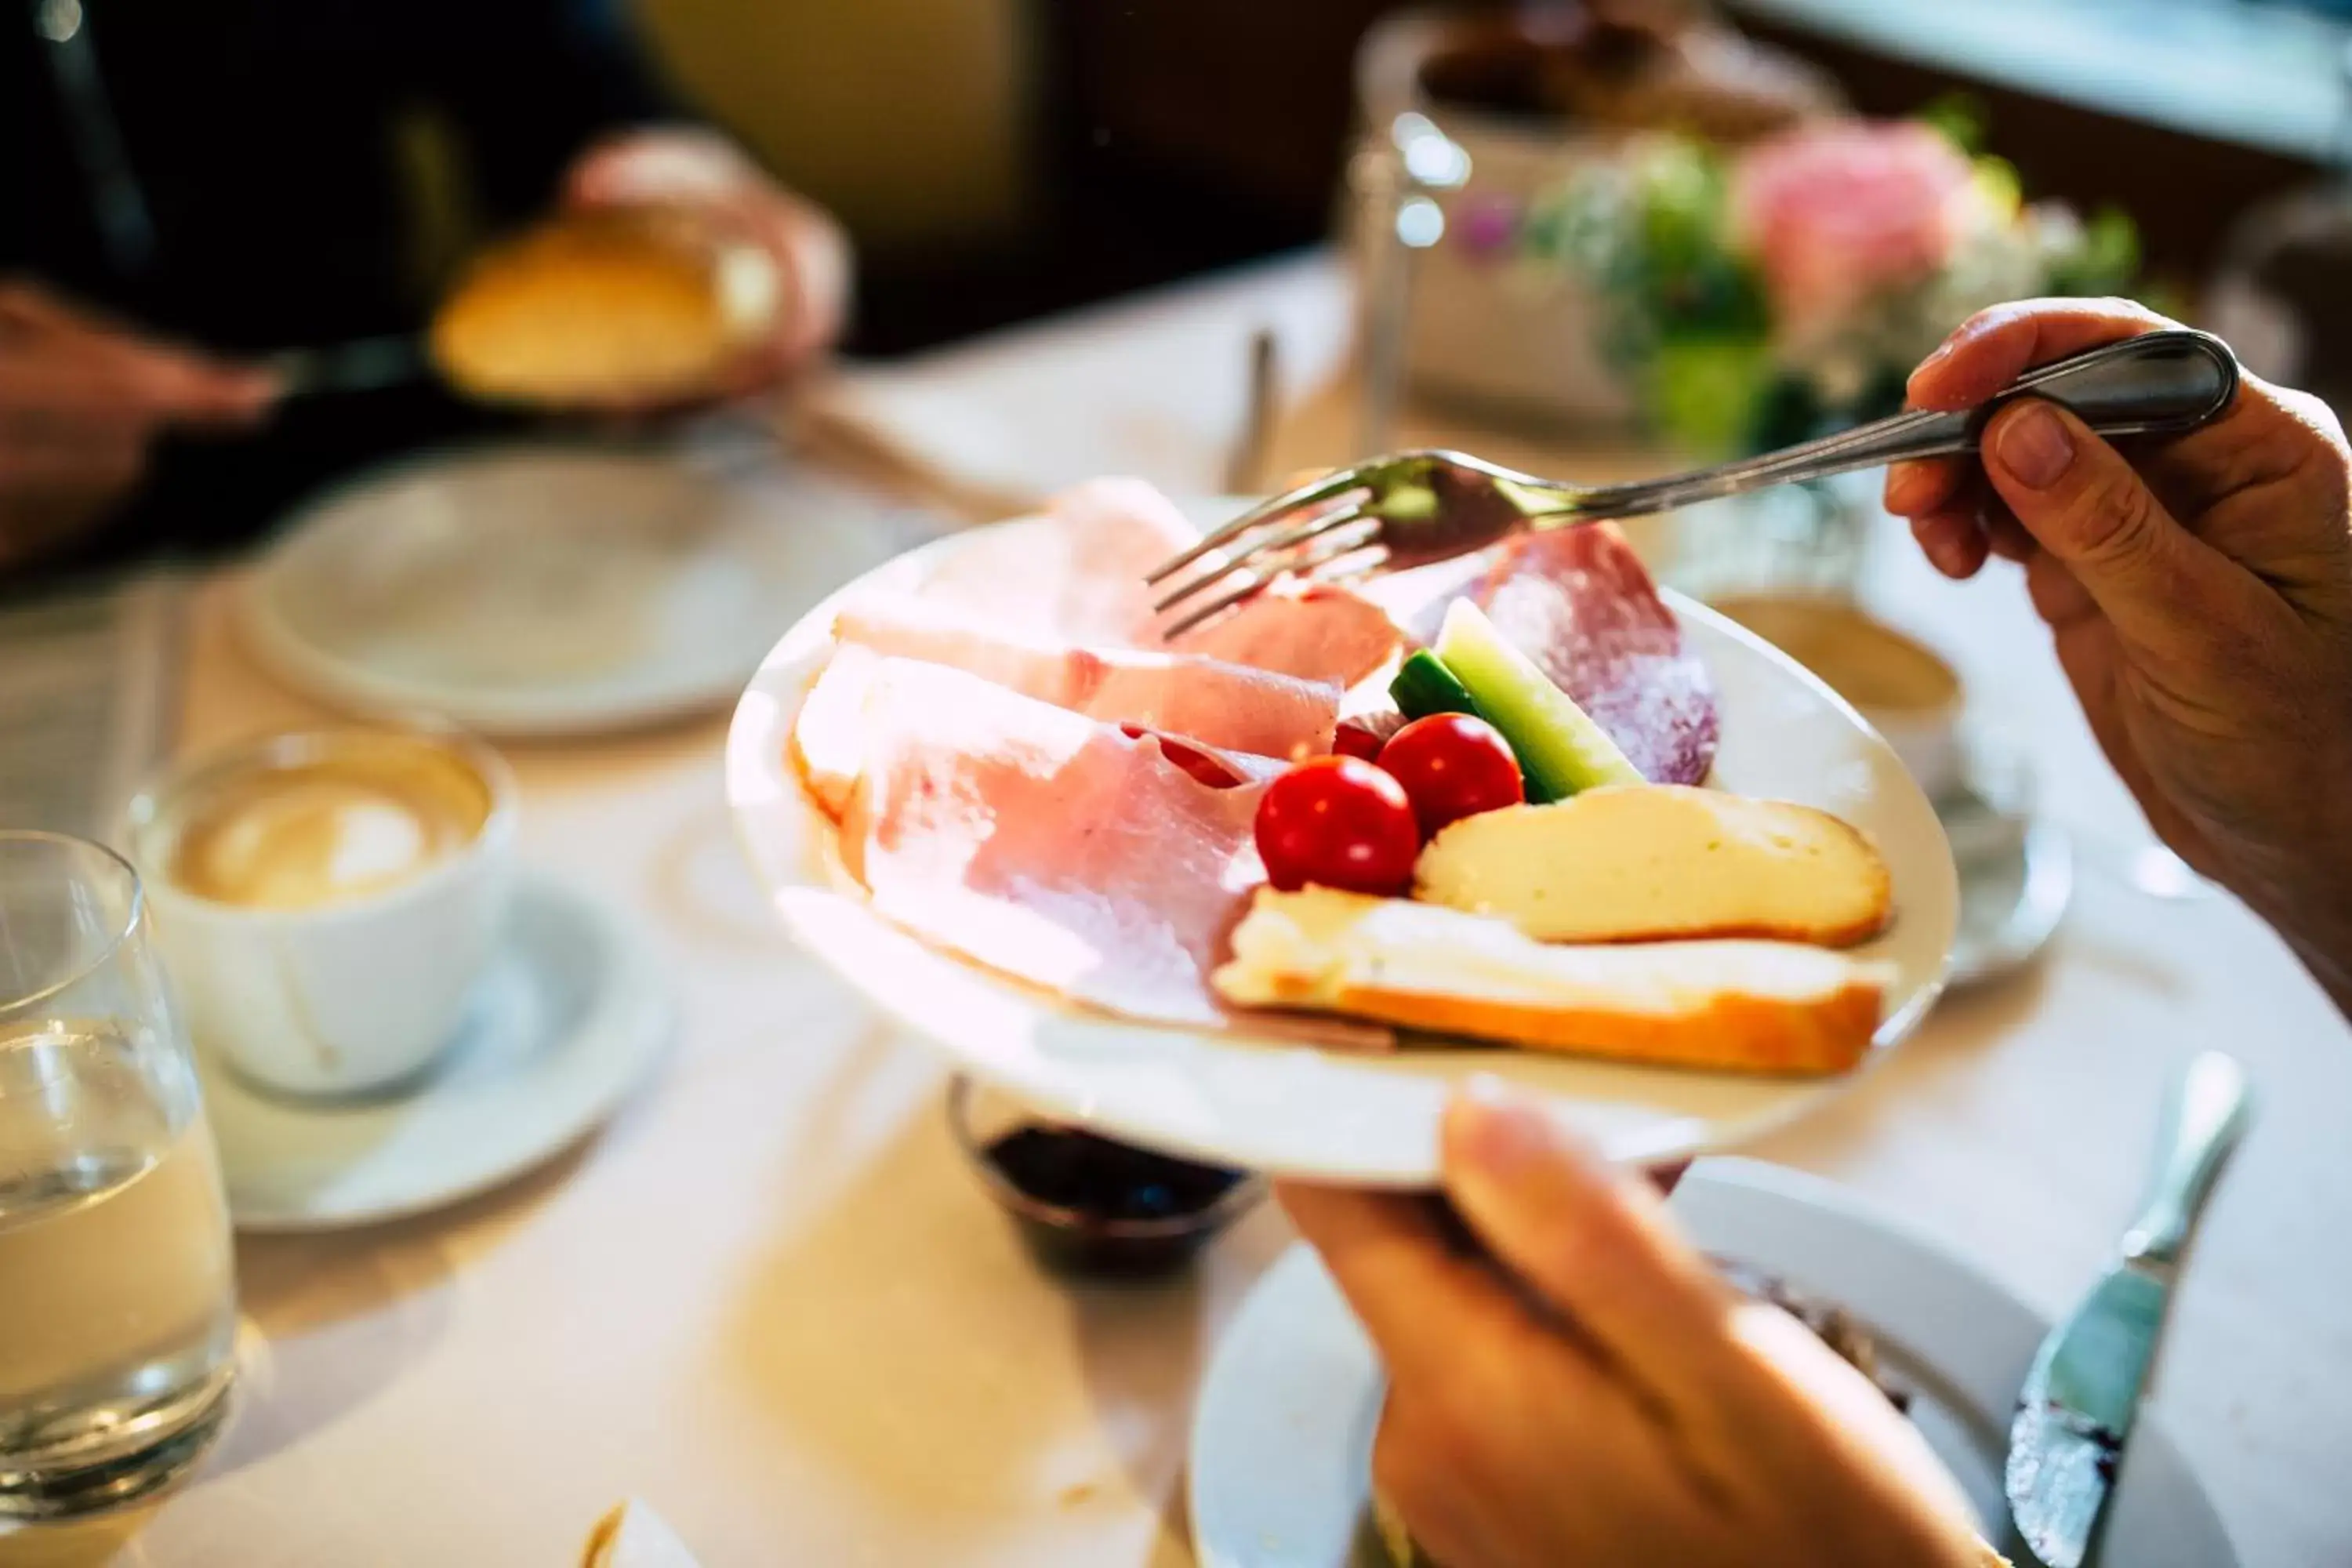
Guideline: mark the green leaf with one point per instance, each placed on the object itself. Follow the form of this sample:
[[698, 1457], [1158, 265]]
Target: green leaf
[[1786, 411], [2106, 262], [2004, 192], [1960, 119], [1704, 391], [1650, 233]]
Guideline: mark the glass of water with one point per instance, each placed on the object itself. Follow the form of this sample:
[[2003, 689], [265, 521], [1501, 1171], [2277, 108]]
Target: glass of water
[[117, 1305]]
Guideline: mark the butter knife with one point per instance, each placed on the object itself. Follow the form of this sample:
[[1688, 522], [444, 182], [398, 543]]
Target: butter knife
[[362, 365], [2075, 1411]]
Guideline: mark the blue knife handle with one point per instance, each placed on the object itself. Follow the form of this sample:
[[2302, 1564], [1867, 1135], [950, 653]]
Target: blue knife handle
[[2205, 1115]]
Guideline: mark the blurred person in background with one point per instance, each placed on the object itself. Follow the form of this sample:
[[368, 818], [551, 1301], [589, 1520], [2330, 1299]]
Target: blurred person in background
[[1577, 1384], [185, 189]]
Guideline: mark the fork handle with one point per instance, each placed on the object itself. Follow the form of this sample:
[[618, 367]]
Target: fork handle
[[2159, 383]]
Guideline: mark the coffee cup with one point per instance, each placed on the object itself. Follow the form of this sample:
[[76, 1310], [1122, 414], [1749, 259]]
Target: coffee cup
[[1910, 695], [326, 901]]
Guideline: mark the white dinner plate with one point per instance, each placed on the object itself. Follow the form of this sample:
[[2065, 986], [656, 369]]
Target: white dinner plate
[[1280, 1471], [1294, 1109], [550, 590], [567, 1021]]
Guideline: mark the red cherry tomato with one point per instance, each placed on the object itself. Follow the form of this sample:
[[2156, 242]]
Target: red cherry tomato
[[1453, 766], [1355, 738], [1339, 822]]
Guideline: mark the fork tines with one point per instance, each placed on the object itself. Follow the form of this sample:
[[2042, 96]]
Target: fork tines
[[1313, 493], [1335, 539]]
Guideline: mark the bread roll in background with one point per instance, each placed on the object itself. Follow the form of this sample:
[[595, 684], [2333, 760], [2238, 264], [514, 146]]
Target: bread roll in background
[[612, 309]]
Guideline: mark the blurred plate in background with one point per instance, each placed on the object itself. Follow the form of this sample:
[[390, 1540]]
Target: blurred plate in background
[[550, 590]]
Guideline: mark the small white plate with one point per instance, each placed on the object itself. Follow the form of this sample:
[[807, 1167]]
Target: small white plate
[[1286, 1108], [2017, 877], [549, 590], [566, 1023], [1280, 1471]]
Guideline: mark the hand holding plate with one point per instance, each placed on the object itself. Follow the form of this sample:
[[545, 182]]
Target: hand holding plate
[[1590, 1392]]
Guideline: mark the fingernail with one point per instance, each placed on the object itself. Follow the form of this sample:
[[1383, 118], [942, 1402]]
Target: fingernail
[[1495, 1130], [1942, 352], [2032, 445], [1943, 550]]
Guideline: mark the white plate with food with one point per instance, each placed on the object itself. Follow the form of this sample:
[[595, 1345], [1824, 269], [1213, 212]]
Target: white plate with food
[[532, 590], [980, 790], [1280, 1468]]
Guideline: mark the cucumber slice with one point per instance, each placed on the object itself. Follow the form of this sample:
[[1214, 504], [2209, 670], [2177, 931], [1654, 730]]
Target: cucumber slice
[[1560, 749], [1424, 686]]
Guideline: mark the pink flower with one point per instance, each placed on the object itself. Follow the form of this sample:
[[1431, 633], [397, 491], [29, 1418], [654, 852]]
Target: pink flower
[[1836, 213], [1488, 226]]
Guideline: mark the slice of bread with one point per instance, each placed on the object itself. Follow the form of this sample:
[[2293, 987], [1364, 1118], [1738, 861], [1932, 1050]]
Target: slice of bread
[[1740, 1007], [1647, 862], [606, 310]]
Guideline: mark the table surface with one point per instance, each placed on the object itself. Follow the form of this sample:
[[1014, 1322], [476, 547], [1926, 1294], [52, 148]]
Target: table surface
[[767, 1299]]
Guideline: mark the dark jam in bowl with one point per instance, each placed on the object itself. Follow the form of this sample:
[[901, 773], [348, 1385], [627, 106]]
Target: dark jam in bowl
[[1089, 1205]]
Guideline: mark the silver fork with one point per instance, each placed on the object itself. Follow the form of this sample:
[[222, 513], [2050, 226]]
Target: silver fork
[[1413, 508]]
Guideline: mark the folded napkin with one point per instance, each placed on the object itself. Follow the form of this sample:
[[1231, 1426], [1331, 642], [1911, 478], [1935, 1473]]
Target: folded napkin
[[634, 1536]]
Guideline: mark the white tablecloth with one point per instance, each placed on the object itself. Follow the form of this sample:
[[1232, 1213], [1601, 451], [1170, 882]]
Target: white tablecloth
[[768, 1299]]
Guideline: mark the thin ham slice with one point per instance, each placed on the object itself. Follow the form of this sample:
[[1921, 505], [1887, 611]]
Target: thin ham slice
[[1223, 705], [1217, 768], [1045, 845], [1101, 861], [1316, 631], [1579, 603], [1078, 579]]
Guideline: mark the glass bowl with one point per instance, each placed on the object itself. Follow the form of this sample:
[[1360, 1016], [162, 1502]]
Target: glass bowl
[[1087, 1205]]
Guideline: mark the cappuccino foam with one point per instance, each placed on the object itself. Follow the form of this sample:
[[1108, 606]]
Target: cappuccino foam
[[328, 830]]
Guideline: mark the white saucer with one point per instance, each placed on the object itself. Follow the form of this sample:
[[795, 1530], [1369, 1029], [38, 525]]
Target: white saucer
[[2017, 877], [547, 590], [1281, 1452], [1267, 1104], [566, 1024]]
